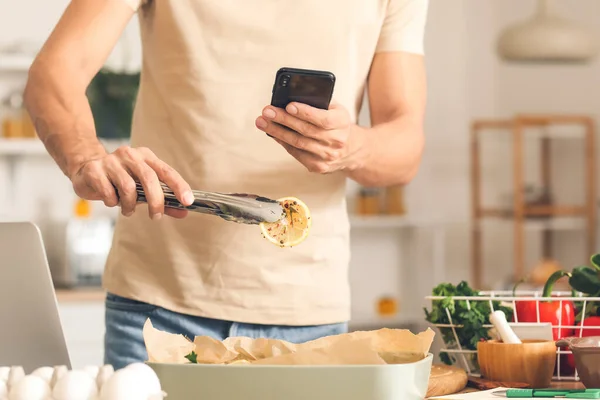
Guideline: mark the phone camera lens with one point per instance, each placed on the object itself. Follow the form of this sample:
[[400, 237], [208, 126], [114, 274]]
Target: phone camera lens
[[285, 79]]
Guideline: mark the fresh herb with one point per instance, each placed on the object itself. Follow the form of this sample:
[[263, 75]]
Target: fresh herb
[[192, 357], [470, 318]]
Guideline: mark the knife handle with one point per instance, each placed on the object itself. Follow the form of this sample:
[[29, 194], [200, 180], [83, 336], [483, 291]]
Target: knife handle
[[520, 393], [546, 393]]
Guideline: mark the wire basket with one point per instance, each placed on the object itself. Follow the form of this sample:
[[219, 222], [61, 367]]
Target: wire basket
[[467, 357]]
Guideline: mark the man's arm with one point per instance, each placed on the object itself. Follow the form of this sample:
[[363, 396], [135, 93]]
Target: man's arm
[[397, 93], [58, 78], [55, 97], [389, 152]]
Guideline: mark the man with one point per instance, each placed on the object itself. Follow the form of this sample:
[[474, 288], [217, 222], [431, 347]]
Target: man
[[202, 121]]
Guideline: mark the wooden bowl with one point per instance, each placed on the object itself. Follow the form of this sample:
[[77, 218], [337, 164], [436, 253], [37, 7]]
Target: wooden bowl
[[530, 362]]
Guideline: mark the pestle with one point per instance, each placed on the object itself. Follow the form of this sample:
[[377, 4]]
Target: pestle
[[498, 319]]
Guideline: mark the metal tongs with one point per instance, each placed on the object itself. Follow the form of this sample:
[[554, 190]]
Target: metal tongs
[[236, 207]]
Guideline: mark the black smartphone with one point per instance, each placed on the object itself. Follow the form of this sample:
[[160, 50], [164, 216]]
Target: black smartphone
[[306, 86]]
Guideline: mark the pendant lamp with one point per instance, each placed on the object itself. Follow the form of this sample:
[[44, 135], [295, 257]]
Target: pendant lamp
[[546, 37]]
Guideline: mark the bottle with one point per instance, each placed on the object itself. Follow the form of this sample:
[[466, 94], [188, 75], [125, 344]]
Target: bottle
[[88, 242], [16, 122]]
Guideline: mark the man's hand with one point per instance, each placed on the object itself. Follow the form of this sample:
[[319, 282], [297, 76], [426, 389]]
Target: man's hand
[[387, 153], [324, 141], [111, 179]]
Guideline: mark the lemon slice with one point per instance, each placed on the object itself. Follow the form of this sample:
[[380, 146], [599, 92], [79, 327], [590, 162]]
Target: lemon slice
[[292, 228]]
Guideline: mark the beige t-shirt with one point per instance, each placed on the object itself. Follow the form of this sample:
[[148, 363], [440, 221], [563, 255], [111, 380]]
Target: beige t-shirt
[[208, 70]]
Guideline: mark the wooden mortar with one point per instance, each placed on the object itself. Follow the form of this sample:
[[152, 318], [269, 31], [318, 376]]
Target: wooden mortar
[[530, 362]]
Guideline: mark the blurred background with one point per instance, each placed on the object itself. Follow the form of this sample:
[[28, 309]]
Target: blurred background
[[507, 187]]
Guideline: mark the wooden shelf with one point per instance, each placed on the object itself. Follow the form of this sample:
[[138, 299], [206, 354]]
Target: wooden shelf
[[379, 221], [560, 126], [548, 224], [80, 295], [12, 147], [532, 120], [535, 211], [15, 63], [389, 221], [34, 147], [526, 216]]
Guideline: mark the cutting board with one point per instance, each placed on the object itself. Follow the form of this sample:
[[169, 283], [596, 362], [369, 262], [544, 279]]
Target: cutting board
[[446, 380]]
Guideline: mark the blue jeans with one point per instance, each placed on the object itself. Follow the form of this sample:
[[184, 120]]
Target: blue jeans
[[125, 318]]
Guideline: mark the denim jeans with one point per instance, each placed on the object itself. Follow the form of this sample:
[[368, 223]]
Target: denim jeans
[[125, 318]]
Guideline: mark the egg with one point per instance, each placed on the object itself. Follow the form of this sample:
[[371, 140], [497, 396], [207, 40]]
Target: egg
[[30, 387], [130, 384], [58, 373], [45, 373], [147, 375], [4, 371], [14, 376], [75, 385], [106, 371]]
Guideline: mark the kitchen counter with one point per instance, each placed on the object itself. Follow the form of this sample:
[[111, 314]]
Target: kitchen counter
[[82, 317], [80, 295]]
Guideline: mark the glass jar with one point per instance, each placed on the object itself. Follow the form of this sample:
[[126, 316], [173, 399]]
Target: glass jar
[[394, 200], [16, 122], [368, 202]]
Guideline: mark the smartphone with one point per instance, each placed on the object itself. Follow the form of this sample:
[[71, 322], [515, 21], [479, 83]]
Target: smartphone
[[306, 86]]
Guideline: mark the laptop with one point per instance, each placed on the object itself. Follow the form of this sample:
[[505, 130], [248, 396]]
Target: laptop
[[31, 333]]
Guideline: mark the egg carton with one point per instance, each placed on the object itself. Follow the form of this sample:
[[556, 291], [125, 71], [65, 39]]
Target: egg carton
[[135, 382]]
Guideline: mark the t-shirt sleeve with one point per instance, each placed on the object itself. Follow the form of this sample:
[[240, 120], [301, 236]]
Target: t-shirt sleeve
[[404, 26]]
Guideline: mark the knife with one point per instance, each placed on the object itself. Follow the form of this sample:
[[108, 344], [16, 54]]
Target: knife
[[549, 393]]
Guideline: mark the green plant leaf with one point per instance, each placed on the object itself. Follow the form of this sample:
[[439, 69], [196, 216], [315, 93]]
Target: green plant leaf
[[192, 357], [471, 315], [585, 280], [595, 260]]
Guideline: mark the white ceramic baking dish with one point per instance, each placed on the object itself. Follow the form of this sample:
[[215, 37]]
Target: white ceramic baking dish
[[254, 382]]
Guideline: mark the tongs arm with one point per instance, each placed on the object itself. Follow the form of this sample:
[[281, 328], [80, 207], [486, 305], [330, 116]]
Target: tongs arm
[[235, 207]]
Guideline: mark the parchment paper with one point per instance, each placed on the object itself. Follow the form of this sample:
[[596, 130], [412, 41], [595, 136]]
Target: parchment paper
[[384, 346]]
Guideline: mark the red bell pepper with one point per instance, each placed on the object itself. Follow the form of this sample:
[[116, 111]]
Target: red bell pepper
[[590, 321], [586, 280], [550, 311]]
